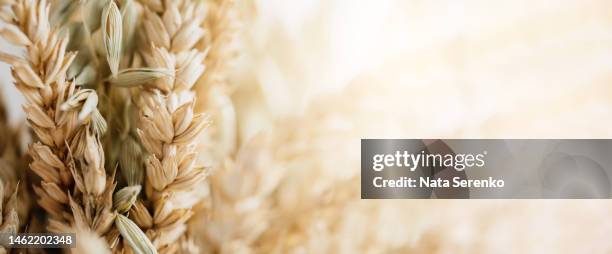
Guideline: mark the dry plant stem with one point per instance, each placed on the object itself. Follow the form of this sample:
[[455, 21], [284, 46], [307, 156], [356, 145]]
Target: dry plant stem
[[74, 189], [169, 126]]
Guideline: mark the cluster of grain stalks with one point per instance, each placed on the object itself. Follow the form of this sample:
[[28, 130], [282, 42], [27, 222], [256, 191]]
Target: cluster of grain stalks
[[119, 95], [111, 104]]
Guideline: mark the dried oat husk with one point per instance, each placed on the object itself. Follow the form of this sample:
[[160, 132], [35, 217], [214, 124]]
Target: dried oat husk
[[74, 189]]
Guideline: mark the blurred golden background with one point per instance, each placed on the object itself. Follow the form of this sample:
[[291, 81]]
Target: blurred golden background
[[315, 76]]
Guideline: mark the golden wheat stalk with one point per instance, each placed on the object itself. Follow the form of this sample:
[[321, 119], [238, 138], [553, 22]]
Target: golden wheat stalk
[[213, 88], [169, 126], [222, 24], [74, 188]]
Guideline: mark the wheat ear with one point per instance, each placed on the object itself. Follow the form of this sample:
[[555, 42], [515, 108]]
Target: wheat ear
[[244, 208], [169, 126], [213, 89], [74, 190]]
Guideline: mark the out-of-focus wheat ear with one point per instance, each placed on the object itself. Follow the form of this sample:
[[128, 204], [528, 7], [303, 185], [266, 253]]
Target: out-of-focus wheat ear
[[112, 30], [138, 241], [187, 244], [10, 223]]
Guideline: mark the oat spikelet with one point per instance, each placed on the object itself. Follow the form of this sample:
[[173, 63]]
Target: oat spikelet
[[112, 30], [169, 127], [68, 157], [134, 236]]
